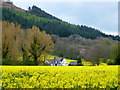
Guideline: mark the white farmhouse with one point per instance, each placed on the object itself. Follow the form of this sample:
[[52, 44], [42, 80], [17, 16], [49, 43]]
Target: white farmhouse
[[57, 61]]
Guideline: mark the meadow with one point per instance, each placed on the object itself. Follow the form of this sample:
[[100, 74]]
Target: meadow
[[59, 76]]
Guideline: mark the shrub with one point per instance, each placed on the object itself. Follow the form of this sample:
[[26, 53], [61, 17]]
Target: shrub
[[110, 62], [26, 62], [6, 61], [80, 64]]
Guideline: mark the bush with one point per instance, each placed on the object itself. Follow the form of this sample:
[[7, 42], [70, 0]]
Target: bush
[[80, 64], [110, 62], [26, 62], [103, 64], [6, 61]]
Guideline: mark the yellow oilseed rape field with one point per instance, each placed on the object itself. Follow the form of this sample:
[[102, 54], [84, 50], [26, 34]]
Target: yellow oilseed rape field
[[59, 76]]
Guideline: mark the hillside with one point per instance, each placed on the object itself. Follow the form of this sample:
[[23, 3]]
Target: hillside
[[11, 6], [40, 13], [33, 10], [24, 43], [50, 24]]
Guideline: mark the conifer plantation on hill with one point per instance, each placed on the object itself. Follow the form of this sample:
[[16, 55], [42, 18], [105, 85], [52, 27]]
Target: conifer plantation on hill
[[51, 24]]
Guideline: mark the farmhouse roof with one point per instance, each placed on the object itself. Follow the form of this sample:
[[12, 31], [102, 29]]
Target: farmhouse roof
[[73, 62]]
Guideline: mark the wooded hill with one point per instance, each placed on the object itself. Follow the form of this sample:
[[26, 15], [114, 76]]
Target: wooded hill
[[52, 25], [68, 40], [40, 13]]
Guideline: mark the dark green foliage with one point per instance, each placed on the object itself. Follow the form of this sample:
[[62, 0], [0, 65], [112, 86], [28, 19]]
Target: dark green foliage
[[51, 25], [115, 53], [110, 62], [79, 62], [118, 60], [6, 61], [26, 62], [40, 13], [118, 55]]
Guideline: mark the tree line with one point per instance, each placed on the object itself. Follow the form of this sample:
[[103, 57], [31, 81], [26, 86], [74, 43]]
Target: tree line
[[100, 50], [40, 13], [24, 46], [51, 26], [30, 46]]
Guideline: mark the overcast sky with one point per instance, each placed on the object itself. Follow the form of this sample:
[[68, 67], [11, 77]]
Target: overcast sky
[[100, 15]]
